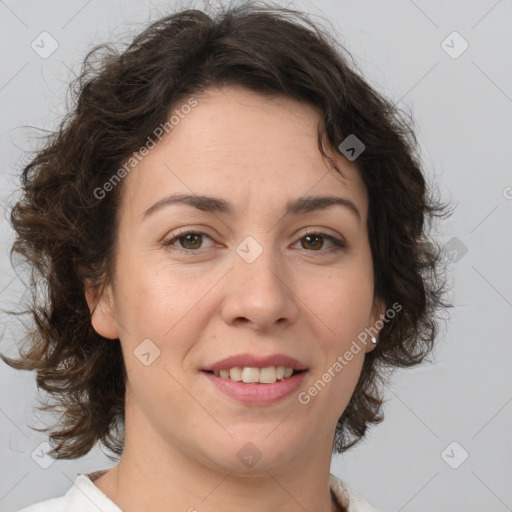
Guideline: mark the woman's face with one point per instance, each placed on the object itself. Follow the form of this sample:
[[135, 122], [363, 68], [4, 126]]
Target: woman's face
[[247, 281]]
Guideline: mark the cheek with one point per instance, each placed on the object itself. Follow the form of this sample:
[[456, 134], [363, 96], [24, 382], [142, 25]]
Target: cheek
[[161, 302], [341, 299], [342, 309], [347, 301], [142, 291]]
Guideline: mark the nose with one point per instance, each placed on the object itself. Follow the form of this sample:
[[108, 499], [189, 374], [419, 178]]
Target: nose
[[260, 293]]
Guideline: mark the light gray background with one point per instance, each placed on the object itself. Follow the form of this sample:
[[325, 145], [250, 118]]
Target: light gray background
[[462, 107]]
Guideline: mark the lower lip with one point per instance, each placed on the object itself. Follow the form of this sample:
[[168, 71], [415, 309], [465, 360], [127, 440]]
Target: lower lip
[[258, 394]]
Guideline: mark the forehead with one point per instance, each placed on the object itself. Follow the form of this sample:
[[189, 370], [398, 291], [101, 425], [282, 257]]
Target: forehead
[[237, 143]]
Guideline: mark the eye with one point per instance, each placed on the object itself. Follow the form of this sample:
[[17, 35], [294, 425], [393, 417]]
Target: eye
[[314, 242], [189, 240]]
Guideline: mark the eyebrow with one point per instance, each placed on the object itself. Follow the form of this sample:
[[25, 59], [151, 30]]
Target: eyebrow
[[297, 206]]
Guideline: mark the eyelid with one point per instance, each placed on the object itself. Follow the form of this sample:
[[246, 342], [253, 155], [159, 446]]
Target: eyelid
[[322, 231]]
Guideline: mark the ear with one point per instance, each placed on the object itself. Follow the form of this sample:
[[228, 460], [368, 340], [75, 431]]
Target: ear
[[101, 306], [376, 323]]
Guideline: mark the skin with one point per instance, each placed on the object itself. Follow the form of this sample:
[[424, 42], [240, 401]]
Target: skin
[[297, 298]]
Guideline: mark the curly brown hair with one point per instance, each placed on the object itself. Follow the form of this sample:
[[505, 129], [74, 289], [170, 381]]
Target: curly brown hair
[[67, 233]]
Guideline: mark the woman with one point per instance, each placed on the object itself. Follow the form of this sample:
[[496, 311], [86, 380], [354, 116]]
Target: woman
[[230, 227]]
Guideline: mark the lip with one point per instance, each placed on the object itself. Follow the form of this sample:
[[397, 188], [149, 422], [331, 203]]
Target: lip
[[253, 361], [258, 394]]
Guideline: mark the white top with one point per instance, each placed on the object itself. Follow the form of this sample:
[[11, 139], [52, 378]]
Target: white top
[[84, 496]]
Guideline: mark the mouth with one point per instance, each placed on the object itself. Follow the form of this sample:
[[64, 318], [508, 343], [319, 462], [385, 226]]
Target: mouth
[[250, 368], [257, 386]]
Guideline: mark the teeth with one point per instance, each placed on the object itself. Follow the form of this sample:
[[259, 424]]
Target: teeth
[[267, 375], [250, 375], [235, 373]]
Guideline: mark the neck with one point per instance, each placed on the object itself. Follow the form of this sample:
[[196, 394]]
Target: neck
[[164, 473], [228, 494], [146, 479]]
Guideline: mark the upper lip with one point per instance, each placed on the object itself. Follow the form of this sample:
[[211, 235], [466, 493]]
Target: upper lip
[[253, 361]]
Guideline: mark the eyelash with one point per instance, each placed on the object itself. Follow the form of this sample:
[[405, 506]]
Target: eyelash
[[338, 244]]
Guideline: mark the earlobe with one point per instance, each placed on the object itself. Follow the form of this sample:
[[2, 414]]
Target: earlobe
[[101, 306]]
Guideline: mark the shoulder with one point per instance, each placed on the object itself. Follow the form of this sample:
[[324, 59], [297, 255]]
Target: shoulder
[[348, 497], [83, 496]]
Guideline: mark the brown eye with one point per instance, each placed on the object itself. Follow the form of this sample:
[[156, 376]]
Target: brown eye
[[314, 242], [191, 241], [188, 241]]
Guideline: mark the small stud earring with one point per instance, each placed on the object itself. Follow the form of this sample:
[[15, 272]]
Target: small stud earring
[[373, 339]]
